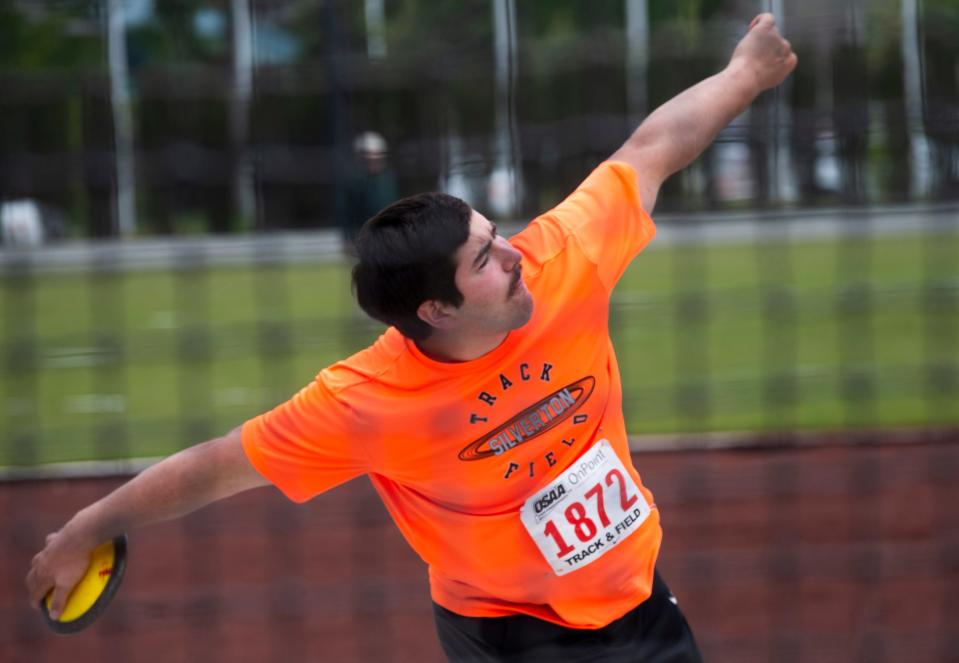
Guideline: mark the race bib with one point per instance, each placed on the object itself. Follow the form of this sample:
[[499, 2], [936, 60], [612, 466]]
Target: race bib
[[586, 511]]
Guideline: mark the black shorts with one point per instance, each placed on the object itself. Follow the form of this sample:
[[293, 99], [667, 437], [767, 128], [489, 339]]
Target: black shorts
[[654, 631]]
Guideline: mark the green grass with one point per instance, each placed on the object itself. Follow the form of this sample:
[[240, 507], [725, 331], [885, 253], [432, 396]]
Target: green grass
[[800, 335], [804, 335]]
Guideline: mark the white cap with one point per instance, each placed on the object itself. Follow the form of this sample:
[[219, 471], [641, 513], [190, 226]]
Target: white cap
[[370, 142]]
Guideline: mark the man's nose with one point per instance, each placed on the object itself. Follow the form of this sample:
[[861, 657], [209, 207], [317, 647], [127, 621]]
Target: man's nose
[[511, 257]]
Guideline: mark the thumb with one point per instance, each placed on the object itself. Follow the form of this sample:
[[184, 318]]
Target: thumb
[[761, 18]]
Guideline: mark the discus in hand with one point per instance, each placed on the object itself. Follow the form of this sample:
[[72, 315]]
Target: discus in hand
[[91, 595]]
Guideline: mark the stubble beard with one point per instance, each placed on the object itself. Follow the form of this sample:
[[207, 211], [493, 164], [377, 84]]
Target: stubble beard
[[524, 308], [521, 298]]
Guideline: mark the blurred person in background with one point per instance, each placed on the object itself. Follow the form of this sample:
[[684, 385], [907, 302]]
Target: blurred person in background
[[488, 416], [371, 186]]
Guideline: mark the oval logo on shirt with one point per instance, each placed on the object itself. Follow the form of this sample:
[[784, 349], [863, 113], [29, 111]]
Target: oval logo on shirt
[[532, 422]]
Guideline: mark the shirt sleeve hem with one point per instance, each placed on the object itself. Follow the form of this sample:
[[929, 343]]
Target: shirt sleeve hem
[[257, 460]]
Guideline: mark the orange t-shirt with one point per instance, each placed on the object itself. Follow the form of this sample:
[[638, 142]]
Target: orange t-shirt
[[456, 450]]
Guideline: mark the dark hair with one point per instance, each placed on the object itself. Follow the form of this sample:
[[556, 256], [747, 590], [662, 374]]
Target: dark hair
[[406, 256]]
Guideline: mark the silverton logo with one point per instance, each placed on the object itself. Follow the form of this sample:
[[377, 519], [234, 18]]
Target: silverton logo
[[531, 422]]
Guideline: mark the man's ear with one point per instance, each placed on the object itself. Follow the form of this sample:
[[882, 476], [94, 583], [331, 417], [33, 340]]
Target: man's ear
[[435, 313]]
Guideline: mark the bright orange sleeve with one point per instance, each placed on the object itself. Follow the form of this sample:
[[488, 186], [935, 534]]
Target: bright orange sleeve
[[304, 446], [605, 216]]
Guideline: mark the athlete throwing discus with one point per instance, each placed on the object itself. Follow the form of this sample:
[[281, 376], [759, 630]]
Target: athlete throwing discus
[[488, 415]]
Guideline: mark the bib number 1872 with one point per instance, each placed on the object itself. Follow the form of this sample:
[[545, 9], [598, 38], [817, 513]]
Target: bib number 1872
[[578, 516], [586, 511]]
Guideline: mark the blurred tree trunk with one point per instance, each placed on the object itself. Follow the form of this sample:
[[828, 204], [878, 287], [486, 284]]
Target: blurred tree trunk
[[244, 197], [125, 221]]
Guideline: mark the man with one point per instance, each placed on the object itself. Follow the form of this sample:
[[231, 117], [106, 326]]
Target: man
[[489, 416], [371, 185]]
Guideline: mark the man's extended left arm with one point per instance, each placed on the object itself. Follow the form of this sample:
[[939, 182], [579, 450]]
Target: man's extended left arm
[[678, 131]]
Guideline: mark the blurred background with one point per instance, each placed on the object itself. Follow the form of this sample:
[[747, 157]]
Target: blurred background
[[179, 186]]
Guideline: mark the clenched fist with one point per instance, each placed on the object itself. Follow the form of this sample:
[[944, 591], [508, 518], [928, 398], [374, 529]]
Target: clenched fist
[[59, 566], [765, 53]]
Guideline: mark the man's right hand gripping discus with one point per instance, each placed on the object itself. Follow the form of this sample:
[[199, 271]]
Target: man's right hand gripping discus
[[91, 595]]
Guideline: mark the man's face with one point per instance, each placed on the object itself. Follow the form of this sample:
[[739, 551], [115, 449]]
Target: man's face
[[489, 275], [373, 161]]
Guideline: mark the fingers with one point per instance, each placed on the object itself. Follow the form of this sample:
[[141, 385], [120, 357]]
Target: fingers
[[43, 576], [37, 587], [58, 600]]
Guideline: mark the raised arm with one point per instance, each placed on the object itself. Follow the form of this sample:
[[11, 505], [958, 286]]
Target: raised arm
[[173, 487], [678, 131]]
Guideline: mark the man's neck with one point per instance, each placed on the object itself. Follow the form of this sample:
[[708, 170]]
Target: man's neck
[[459, 348]]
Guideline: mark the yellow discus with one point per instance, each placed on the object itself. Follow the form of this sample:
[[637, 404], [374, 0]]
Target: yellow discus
[[95, 589]]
